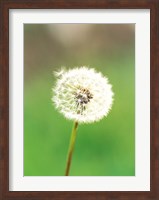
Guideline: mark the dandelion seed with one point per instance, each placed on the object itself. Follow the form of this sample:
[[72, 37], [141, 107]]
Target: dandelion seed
[[82, 94]]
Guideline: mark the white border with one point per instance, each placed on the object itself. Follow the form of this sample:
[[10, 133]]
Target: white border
[[141, 181]]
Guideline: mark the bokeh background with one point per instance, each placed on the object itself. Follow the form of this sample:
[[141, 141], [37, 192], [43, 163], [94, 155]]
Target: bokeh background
[[105, 148]]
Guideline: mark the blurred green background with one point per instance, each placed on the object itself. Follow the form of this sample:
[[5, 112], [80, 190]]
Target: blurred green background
[[105, 148]]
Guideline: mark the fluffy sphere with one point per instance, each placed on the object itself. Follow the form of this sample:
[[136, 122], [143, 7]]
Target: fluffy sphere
[[82, 94]]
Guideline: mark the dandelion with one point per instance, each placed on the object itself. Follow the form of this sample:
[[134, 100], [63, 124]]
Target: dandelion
[[82, 95]]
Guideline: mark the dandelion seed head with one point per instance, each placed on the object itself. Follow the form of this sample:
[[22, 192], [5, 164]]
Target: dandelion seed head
[[82, 94]]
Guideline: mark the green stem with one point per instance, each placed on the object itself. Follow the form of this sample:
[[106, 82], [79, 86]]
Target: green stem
[[71, 147]]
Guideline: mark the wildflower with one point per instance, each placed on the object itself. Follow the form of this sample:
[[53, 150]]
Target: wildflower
[[82, 94]]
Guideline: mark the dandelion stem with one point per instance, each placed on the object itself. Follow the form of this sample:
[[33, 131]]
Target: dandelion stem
[[71, 147]]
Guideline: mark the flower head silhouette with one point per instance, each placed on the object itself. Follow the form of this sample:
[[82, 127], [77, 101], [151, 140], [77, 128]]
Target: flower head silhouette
[[82, 94]]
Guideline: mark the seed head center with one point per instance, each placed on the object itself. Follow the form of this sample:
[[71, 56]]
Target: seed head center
[[82, 97]]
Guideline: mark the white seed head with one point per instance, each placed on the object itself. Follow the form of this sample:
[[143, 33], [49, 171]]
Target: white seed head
[[82, 94]]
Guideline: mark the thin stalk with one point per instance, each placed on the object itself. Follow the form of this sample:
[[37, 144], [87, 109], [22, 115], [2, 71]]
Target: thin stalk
[[71, 148]]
